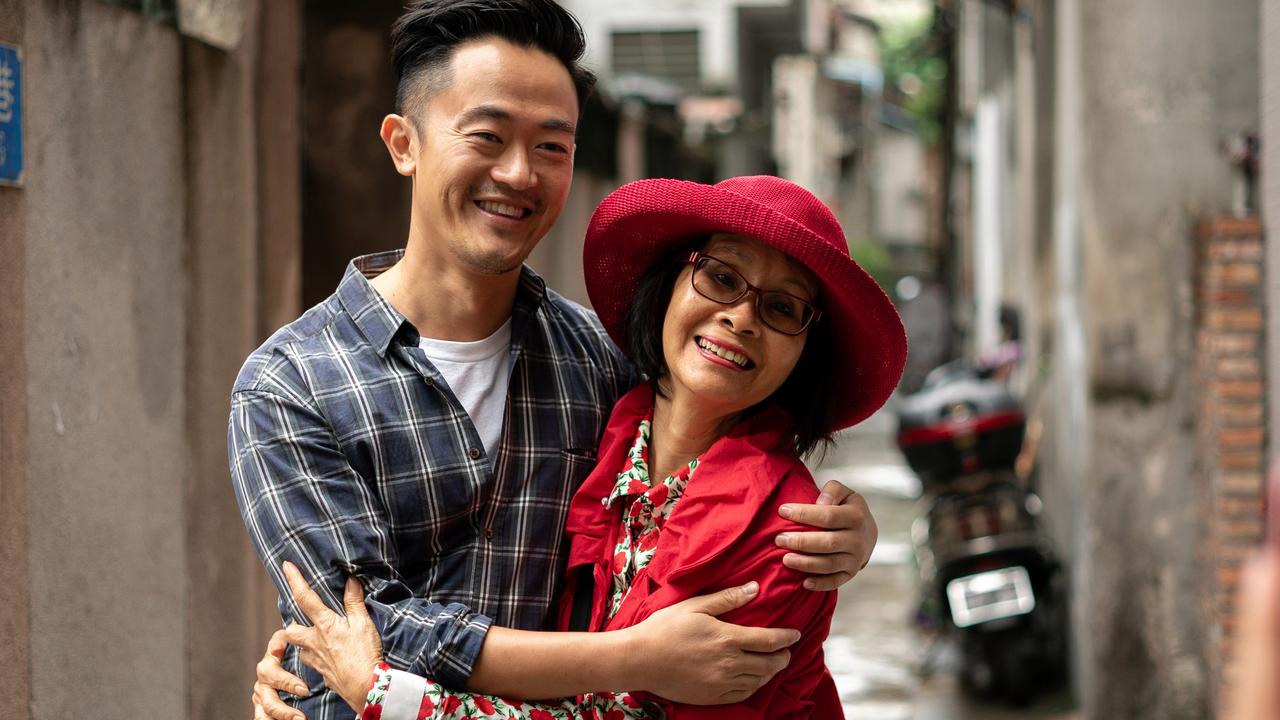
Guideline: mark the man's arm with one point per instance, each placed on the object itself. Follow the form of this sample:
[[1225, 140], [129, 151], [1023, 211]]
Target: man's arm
[[302, 501], [681, 652]]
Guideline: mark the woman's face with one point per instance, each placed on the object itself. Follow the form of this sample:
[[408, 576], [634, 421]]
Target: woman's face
[[723, 355]]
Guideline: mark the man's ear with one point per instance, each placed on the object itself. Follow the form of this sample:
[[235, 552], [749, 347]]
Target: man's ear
[[401, 139]]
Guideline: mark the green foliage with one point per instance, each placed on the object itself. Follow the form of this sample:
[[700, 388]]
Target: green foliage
[[875, 260], [915, 74]]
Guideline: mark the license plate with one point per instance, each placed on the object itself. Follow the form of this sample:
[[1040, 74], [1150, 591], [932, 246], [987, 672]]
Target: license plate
[[990, 595]]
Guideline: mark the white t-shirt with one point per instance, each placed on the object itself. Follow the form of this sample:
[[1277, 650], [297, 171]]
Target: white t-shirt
[[478, 373]]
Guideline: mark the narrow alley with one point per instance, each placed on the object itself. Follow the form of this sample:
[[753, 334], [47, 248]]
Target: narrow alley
[[874, 651]]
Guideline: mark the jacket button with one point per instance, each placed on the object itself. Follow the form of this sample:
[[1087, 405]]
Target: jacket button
[[474, 453]]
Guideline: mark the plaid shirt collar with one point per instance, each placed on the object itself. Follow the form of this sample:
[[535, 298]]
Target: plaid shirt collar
[[381, 323]]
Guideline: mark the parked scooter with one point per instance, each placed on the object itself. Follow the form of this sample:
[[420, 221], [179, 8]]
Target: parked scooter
[[989, 578]]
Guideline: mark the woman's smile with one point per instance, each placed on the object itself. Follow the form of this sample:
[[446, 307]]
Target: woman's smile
[[724, 353]]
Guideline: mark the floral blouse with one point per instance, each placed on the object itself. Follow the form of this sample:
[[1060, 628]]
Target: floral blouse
[[397, 695]]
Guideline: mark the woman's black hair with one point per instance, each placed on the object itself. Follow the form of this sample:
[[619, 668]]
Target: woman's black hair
[[803, 394]]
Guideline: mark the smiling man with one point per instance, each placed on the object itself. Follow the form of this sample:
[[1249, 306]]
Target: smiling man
[[423, 428]]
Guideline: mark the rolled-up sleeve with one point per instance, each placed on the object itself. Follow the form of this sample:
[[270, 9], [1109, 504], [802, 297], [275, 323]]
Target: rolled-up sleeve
[[302, 501]]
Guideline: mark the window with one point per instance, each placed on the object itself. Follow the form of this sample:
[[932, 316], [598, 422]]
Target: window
[[666, 55]]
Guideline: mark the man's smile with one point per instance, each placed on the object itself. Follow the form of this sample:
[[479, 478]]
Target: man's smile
[[505, 210]]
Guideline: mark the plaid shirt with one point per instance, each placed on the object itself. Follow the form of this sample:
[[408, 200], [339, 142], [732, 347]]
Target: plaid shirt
[[351, 456]]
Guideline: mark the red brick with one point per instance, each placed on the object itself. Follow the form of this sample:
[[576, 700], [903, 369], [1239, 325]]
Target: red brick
[[1236, 414], [1241, 437], [1235, 249], [1240, 460], [1236, 552], [1227, 343], [1248, 389], [1227, 298], [1229, 227], [1228, 576], [1248, 318], [1232, 507], [1241, 483], [1245, 529], [1233, 275], [1238, 368]]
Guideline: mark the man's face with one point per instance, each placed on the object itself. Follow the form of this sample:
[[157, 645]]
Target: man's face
[[494, 159]]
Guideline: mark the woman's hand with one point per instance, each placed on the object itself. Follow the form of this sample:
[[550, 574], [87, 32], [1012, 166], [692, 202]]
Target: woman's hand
[[838, 553], [272, 680], [685, 654], [344, 650]]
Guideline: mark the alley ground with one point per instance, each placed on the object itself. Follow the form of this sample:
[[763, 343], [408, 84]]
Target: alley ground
[[873, 651]]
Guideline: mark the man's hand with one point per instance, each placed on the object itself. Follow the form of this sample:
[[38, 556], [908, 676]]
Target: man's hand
[[684, 654], [343, 649], [274, 679], [844, 546]]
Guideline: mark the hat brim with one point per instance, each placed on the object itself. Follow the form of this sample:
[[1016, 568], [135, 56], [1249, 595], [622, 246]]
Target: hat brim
[[643, 221]]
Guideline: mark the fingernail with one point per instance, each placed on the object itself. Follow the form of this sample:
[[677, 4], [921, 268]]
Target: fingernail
[[783, 538], [299, 717], [825, 499], [786, 511], [299, 690], [751, 588]]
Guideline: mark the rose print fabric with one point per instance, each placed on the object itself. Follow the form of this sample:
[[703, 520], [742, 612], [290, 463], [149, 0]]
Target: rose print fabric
[[397, 695], [645, 516]]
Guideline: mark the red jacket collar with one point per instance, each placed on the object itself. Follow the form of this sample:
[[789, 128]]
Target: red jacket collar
[[736, 475]]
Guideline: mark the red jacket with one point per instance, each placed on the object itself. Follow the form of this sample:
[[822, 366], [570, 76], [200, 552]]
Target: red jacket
[[721, 534]]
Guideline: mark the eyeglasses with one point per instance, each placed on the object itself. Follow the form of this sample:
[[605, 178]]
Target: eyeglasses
[[718, 281]]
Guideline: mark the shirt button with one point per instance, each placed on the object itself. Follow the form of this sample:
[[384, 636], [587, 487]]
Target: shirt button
[[431, 383], [474, 453], [488, 533]]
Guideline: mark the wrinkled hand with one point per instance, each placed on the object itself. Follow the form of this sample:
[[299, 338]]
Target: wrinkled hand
[[272, 680], [684, 654], [343, 649], [843, 546]]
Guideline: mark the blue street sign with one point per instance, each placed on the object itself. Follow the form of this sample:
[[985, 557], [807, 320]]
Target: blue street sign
[[10, 115]]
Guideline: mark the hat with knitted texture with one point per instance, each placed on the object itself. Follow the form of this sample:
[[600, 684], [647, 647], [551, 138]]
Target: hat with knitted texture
[[641, 222]]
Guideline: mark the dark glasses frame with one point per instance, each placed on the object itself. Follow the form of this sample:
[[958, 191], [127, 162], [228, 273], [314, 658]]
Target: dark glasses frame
[[814, 312]]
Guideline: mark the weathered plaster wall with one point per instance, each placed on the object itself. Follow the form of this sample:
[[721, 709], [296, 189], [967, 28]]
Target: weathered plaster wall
[[15, 595], [1163, 82], [104, 291]]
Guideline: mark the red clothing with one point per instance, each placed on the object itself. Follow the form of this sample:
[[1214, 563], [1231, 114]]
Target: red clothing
[[721, 534]]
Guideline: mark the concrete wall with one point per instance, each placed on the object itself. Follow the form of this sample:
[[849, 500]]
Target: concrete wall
[[104, 291], [1269, 41], [15, 595], [130, 292], [1160, 84]]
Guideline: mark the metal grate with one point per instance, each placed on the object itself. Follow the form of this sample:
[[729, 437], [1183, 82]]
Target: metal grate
[[670, 55]]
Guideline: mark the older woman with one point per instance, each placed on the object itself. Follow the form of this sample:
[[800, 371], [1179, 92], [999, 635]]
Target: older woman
[[760, 337]]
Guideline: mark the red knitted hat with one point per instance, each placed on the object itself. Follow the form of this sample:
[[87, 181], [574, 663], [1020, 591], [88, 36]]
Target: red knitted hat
[[641, 222]]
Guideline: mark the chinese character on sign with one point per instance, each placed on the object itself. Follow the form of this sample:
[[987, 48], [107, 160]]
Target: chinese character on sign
[[7, 84], [10, 115]]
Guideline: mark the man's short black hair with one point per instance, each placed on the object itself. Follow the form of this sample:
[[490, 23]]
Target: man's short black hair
[[424, 38], [805, 393]]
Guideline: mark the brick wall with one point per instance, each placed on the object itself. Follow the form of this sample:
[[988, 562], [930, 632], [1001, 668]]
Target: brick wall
[[1229, 366]]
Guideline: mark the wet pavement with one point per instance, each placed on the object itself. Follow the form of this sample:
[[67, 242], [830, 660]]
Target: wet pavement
[[874, 651]]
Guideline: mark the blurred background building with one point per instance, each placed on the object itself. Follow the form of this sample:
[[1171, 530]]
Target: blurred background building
[[195, 173]]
